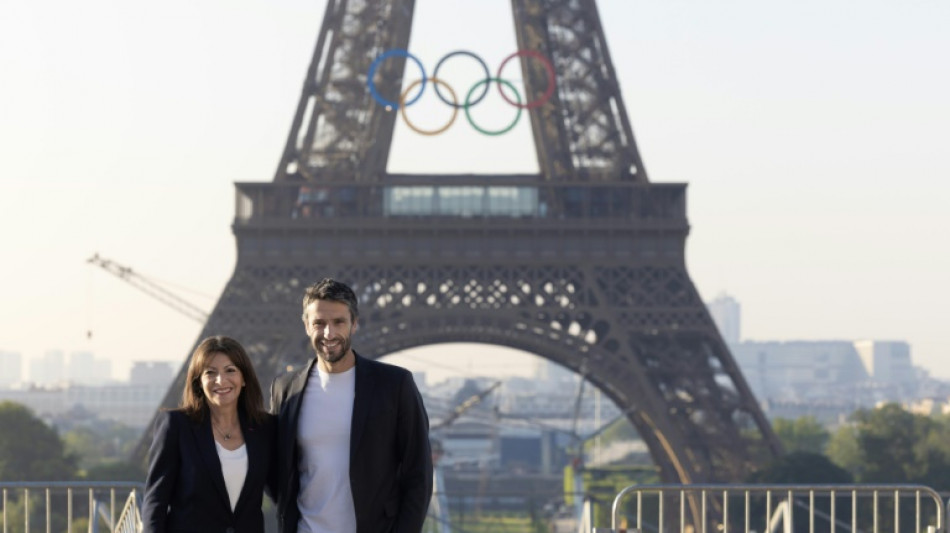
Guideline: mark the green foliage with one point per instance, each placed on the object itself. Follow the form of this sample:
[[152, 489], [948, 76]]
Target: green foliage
[[472, 521], [602, 484], [891, 445], [843, 449], [803, 434], [802, 468], [100, 444], [29, 449], [619, 430], [116, 471]]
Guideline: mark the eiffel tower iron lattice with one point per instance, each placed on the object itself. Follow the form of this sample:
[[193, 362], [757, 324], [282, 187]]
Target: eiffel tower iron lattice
[[582, 264]]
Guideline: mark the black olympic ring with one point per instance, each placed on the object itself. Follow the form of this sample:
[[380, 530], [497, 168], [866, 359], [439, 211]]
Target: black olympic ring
[[435, 74], [468, 103]]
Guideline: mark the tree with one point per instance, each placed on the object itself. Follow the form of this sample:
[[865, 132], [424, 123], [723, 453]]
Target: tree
[[803, 434], [891, 445], [843, 450], [29, 449], [117, 471], [802, 468], [100, 443]]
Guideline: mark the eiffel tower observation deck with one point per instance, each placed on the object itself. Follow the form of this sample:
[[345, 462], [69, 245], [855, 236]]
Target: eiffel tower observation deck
[[581, 263]]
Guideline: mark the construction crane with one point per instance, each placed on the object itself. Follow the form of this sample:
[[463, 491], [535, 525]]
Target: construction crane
[[463, 407], [151, 288]]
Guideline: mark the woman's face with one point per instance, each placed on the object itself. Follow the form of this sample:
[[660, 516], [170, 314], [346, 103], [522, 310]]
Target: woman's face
[[221, 381]]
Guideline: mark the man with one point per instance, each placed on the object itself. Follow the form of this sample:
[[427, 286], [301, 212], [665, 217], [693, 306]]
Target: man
[[353, 434]]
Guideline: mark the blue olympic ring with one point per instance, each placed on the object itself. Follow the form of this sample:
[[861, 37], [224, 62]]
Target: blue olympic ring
[[375, 66]]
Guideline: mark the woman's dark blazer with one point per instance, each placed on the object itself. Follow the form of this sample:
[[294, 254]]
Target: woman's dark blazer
[[185, 491]]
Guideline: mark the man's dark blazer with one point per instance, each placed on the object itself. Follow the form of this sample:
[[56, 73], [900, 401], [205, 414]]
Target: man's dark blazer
[[390, 458], [185, 490]]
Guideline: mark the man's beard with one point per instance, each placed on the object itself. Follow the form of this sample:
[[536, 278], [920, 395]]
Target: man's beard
[[327, 355]]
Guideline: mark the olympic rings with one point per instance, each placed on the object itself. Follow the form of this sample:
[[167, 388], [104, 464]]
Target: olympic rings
[[435, 82], [486, 81], [404, 101]]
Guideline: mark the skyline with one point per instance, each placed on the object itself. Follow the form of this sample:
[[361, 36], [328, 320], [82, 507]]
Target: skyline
[[811, 137], [508, 362]]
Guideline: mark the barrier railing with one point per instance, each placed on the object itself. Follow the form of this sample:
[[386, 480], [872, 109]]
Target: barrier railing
[[725, 508], [130, 521], [62, 505]]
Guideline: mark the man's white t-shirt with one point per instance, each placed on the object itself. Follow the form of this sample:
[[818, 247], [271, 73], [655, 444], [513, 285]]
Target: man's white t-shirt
[[323, 434]]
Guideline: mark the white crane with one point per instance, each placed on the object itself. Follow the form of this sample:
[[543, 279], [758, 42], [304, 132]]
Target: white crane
[[151, 288]]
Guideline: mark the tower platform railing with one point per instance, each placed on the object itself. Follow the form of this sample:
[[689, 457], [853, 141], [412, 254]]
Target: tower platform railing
[[460, 197]]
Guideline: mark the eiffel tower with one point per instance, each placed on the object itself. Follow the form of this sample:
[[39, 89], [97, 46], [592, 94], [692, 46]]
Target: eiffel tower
[[582, 263]]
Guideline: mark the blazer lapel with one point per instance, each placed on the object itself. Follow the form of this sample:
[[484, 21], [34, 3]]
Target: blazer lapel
[[295, 393], [361, 403], [288, 437], [204, 439]]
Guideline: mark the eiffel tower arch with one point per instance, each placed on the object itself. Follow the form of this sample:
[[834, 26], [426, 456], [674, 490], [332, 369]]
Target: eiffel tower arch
[[582, 263]]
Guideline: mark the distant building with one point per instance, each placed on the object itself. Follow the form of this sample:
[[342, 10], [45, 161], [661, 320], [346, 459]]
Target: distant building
[[131, 405], [151, 373], [11, 369], [85, 369], [827, 379], [554, 374], [49, 369], [889, 364], [800, 370], [929, 406], [726, 313]]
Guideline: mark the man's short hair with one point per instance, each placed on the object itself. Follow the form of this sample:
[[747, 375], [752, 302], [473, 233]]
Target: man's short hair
[[334, 291]]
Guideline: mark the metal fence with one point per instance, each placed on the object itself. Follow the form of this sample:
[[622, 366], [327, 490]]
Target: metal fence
[[725, 508], [70, 506]]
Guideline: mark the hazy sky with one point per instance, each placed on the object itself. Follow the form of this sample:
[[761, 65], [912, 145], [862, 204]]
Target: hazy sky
[[813, 135]]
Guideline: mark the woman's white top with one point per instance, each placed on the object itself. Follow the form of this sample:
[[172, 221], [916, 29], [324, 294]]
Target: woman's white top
[[234, 468]]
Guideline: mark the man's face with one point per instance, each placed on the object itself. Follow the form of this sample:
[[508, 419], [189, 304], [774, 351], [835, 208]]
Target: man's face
[[330, 327]]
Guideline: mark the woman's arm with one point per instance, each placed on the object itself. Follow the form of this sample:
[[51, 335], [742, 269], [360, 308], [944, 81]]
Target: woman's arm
[[164, 465]]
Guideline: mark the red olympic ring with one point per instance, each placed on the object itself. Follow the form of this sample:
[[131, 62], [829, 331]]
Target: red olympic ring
[[547, 66]]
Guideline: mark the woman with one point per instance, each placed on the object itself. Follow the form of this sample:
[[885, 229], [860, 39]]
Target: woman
[[213, 456]]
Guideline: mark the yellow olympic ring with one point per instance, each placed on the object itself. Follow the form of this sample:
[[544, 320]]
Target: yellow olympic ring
[[403, 106]]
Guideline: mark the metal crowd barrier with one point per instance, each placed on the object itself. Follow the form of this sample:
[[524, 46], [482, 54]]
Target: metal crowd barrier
[[725, 508], [130, 520], [56, 505]]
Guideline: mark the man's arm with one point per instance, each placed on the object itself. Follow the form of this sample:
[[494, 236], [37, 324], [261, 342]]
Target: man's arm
[[415, 471], [275, 396]]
